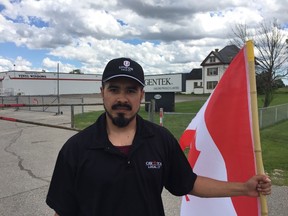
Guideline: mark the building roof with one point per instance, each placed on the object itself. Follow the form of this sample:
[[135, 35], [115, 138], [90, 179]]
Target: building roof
[[225, 56], [195, 74], [228, 53]]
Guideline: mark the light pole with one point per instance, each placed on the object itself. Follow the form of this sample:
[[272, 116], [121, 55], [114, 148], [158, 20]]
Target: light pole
[[58, 94]]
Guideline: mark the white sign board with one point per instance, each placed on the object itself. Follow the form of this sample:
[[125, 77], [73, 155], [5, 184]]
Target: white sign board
[[163, 83]]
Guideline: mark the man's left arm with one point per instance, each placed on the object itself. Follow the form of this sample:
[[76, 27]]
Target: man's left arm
[[207, 187]]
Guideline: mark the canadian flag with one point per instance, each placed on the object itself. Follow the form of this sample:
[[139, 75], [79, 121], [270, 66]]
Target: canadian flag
[[221, 143]]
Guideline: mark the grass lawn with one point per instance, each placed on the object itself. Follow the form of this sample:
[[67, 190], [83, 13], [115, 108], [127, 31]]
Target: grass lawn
[[279, 97], [274, 141]]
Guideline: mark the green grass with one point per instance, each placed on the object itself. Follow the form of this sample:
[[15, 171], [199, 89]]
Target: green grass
[[280, 97], [274, 139], [85, 119], [189, 106], [282, 90], [177, 123]]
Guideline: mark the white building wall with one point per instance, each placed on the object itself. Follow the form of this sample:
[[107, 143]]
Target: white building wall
[[46, 83], [36, 83], [190, 87], [221, 70]]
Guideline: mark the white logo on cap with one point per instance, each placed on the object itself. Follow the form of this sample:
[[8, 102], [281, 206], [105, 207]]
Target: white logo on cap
[[126, 66], [126, 63]]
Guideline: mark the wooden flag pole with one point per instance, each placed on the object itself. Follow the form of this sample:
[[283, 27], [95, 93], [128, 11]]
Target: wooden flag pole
[[255, 120]]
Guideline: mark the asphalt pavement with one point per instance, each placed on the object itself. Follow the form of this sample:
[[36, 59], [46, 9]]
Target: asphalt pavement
[[27, 158]]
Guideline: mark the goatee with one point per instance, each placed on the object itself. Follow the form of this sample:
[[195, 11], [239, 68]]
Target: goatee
[[119, 120]]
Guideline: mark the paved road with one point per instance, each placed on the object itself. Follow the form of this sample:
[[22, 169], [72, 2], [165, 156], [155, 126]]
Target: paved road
[[27, 158]]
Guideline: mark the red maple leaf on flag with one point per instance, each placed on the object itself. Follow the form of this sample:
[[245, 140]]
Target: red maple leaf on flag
[[187, 140]]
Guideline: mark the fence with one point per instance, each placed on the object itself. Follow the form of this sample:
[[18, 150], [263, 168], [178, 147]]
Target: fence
[[46, 103], [271, 115], [267, 116], [75, 105], [58, 108]]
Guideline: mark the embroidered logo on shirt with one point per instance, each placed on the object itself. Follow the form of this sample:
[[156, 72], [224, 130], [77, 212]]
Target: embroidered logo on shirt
[[153, 164]]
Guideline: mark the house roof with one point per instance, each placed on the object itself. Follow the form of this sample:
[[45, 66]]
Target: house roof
[[225, 56], [195, 74]]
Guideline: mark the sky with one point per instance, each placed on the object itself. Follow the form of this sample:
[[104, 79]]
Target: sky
[[164, 36]]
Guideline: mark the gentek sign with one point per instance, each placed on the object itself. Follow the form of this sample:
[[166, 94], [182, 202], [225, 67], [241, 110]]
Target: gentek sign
[[163, 83]]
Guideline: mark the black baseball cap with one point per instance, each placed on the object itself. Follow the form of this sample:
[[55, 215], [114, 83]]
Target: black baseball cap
[[123, 67]]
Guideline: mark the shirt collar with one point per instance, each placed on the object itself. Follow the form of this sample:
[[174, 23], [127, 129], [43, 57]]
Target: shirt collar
[[100, 136]]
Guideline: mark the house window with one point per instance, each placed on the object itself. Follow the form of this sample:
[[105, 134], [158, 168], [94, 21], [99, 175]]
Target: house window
[[212, 59], [212, 71], [195, 84], [211, 84]]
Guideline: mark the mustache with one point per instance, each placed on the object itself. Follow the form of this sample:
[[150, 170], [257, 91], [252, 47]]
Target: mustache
[[126, 106]]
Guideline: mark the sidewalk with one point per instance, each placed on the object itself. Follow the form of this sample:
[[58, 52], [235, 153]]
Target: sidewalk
[[27, 158]]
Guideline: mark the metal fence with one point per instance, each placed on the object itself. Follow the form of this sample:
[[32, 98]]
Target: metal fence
[[272, 115], [267, 116], [75, 105], [59, 106], [46, 103]]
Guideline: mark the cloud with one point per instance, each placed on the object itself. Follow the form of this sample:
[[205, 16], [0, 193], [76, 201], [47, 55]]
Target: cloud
[[166, 36], [5, 64], [53, 66]]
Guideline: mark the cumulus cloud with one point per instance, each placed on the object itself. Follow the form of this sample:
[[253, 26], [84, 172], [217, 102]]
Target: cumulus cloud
[[165, 36], [22, 64], [5, 64]]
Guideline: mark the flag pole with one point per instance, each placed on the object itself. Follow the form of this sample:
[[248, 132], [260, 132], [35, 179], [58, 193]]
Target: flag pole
[[255, 120]]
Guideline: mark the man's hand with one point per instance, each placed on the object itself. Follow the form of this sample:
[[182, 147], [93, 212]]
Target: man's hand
[[258, 184]]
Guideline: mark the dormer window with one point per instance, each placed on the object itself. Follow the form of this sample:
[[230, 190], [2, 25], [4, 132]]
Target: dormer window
[[212, 59]]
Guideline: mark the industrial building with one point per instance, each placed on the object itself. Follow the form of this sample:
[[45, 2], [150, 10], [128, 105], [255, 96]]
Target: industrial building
[[199, 81], [47, 83]]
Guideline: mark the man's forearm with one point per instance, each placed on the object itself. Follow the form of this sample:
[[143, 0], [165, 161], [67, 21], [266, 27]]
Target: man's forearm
[[207, 187]]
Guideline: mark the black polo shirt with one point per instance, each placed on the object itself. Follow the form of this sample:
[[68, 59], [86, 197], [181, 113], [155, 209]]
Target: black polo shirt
[[93, 178]]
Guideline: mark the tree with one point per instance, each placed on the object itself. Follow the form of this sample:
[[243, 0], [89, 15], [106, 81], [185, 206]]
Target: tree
[[271, 53], [261, 82]]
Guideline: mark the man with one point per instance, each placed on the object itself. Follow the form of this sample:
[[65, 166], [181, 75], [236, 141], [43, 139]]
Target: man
[[120, 164]]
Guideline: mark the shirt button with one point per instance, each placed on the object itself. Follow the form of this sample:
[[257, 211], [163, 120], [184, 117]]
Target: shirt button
[[129, 162]]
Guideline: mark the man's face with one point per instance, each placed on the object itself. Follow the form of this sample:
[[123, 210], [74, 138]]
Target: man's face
[[122, 98]]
